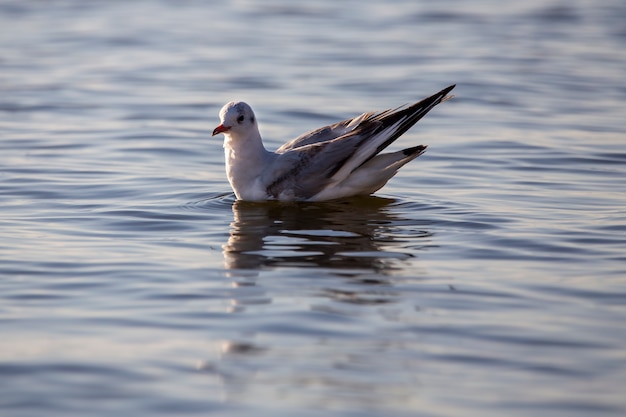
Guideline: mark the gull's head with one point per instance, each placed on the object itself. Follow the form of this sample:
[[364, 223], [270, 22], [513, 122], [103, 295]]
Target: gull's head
[[236, 119]]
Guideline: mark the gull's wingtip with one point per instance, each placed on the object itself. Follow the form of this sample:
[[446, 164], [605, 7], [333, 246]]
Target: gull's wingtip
[[444, 93], [447, 89]]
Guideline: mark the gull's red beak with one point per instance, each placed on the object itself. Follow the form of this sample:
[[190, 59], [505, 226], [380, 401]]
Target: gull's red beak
[[221, 129]]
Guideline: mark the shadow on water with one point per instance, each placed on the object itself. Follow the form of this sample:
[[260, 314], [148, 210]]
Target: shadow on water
[[357, 233]]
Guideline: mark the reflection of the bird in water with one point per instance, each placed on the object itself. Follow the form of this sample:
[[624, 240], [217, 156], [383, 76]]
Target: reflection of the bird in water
[[356, 234], [322, 267]]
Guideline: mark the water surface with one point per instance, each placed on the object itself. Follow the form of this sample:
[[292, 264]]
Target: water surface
[[486, 279]]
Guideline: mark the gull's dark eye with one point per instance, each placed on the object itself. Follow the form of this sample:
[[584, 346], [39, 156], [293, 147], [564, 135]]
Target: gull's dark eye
[[240, 119]]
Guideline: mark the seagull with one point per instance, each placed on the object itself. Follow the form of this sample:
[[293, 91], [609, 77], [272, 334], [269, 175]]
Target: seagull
[[335, 161]]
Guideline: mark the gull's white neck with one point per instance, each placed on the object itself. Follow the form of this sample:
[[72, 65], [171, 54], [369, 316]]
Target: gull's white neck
[[246, 159]]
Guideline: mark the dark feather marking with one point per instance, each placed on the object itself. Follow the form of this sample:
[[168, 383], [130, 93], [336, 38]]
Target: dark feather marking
[[411, 114], [419, 149], [366, 129], [274, 188]]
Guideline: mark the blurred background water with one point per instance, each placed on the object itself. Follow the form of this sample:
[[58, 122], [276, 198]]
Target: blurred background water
[[487, 279]]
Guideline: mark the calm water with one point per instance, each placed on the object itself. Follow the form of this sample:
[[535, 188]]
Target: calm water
[[487, 279]]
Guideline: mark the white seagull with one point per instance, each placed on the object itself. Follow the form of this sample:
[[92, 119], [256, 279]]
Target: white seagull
[[335, 161]]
